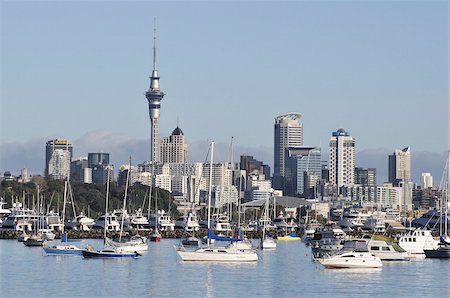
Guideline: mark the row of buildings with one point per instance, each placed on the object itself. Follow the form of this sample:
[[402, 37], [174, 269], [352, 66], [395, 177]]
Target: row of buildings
[[299, 170]]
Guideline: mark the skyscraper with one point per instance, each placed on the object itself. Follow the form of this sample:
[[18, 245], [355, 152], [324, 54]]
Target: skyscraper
[[400, 166], [99, 165], [342, 158], [288, 133], [427, 180], [154, 96], [173, 148], [58, 154], [303, 170]]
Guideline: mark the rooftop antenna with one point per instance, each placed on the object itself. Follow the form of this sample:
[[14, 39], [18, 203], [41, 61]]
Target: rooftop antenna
[[154, 43]]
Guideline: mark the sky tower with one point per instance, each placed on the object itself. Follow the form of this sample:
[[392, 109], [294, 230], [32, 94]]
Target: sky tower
[[154, 96]]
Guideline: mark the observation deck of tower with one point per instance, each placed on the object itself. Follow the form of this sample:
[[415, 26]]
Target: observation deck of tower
[[154, 96]]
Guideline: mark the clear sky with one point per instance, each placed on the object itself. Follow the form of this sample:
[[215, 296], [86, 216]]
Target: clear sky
[[378, 69]]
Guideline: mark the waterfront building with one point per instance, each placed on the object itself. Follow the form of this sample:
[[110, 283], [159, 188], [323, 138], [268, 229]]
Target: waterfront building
[[163, 182], [57, 165], [303, 169], [396, 197], [427, 180], [288, 132], [400, 166], [133, 175], [366, 177], [154, 96], [173, 148], [426, 198], [342, 159]]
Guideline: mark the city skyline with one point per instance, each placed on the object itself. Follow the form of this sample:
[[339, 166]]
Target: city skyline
[[90, 84]]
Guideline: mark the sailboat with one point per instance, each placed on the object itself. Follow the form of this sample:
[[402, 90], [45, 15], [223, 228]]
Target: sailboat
[[155, 236], [126, 242], [443, 249], [108, 251], [267, 242], [64, 248], [230, 253], [36, 238]]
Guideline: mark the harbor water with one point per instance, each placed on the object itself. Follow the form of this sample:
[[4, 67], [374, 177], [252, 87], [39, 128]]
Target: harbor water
[[287, 271]]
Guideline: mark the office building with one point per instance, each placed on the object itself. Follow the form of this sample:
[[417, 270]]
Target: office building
[[400, 166], [173, 148], [288, 132], [366, 177], [342, 159], [303, 169]]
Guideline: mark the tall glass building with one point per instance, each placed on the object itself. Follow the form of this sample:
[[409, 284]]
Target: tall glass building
[[288, 132], [303, 169]]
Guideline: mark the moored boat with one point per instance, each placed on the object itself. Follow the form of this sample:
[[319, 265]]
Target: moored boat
[[352, 260]]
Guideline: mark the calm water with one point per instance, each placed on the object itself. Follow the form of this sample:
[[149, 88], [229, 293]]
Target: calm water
[[287, 271]]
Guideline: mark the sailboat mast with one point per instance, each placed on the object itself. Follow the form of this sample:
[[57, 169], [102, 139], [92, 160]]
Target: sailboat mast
[[64, 205], [210, 187], [106, 205], [125, 201]]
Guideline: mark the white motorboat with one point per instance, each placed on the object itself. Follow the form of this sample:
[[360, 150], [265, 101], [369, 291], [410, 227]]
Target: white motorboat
[[112, 223], [415, 242], [138, 221], [230, 253], [352, 260], [81, 222], [387, 250]]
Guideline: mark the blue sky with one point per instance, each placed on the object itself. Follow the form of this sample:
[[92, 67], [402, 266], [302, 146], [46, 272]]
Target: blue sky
[[378, 69]]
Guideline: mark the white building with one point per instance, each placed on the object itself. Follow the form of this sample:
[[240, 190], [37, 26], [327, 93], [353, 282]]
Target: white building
[[398, 198], [427, 181], [224, 195], [59, 164], [173, 149], [164, 182], [342, 159], [221, 175]]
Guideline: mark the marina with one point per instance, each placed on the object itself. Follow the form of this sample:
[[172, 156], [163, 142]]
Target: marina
[[286, 271]]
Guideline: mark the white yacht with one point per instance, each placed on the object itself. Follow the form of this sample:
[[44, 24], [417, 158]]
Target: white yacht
[[352, 260], [81, 222], [230, 253], [112, 223], [416, 241], [387, 251], [165, 222], [20, 219], [3, 212], [138, 221], [222, 223]]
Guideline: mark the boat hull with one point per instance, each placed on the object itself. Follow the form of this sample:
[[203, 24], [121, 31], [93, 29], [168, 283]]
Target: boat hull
[[205, 256], [63, 251], [437, 253], [107, 255]]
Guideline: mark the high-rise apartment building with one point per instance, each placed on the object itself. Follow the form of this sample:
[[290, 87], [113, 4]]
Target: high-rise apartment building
[[58, 154], [288, 132], [342, 159], [427, 180], [400, 166], [173, 148]]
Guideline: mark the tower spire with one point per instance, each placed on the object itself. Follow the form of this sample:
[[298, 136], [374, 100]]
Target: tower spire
[[154, 45]]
